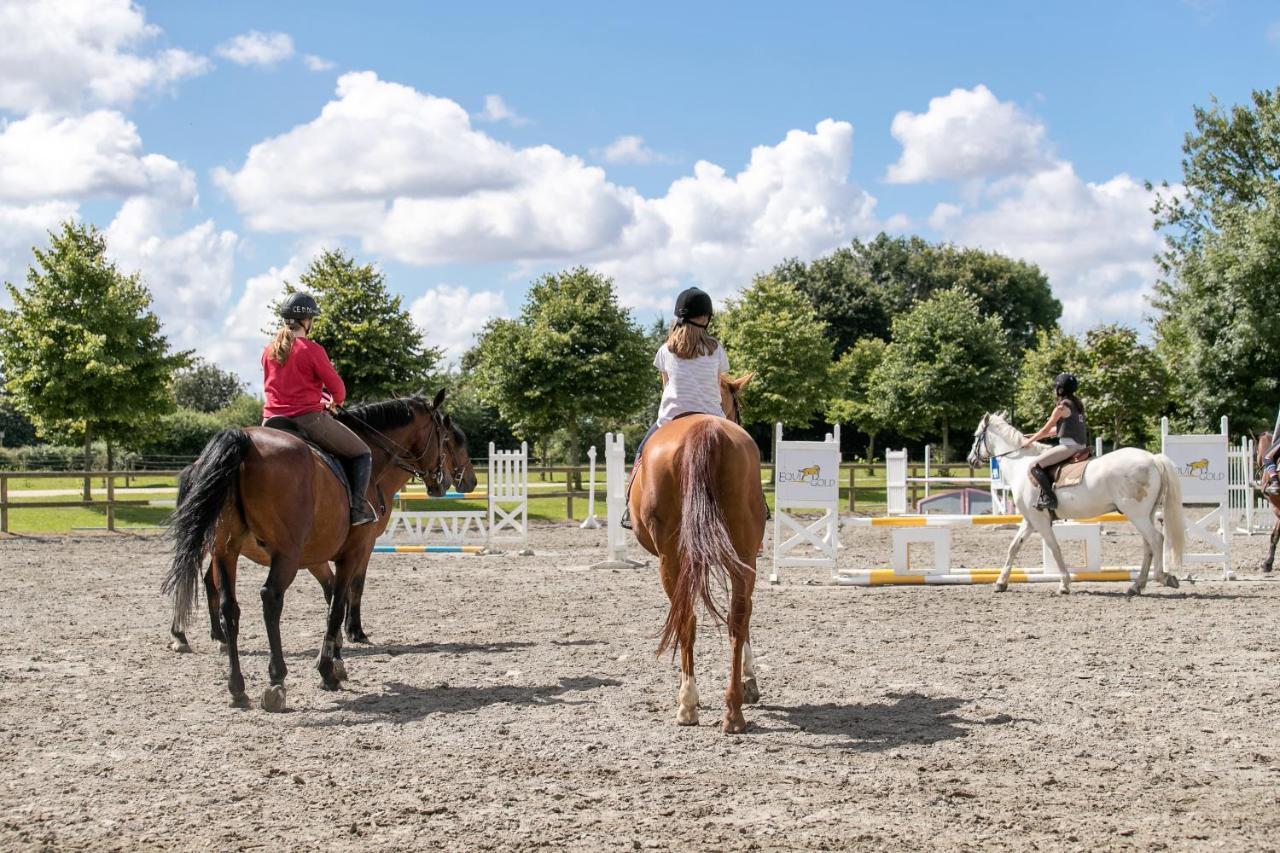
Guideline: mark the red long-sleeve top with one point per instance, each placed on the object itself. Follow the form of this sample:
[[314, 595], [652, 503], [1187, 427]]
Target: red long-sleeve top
[[296, 387]]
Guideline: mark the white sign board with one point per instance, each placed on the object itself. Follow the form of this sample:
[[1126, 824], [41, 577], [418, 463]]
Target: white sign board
[[807, 473], [1201, 461]]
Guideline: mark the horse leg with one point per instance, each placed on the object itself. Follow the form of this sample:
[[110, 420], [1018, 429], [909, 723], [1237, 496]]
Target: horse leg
[[283, 569], [211, 599], [1002, 582], [687, 700], [1044, 527], [355, 632], [750, 688], [739, 619], [1152, 552], [331, 648], [224, 563], [324, 577], [1271, 554]]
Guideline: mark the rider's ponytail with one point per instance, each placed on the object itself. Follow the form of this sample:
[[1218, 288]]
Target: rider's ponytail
[[689, 341], [282, 343]]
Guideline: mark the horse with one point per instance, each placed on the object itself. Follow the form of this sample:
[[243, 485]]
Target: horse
[[459, 475], [1131, 480], [697, 504], [1264, 444], [264, 493]]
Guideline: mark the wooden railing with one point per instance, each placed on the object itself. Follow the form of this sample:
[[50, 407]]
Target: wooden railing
[[110, 504]]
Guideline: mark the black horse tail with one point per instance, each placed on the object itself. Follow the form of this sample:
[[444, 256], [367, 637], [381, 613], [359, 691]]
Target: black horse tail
[[204, 489]]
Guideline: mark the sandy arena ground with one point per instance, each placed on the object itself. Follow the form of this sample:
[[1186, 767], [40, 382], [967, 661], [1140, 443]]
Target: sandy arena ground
[[515, 702]]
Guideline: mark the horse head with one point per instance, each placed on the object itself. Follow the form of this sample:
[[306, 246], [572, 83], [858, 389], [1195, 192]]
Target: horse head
[[457, 458], [731, 395], [994, 437]]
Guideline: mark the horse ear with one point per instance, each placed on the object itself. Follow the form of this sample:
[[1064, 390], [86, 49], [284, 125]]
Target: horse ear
[[439, 400], [742, 381], [1003, 414]]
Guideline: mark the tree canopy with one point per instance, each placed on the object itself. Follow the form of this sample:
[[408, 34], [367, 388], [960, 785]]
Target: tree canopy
[[205, 387]]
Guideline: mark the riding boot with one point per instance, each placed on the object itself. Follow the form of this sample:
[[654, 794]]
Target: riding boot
[[360, 469], [625, 521], [1048, 500]]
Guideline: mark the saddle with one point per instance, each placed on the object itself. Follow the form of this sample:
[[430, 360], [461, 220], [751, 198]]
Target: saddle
[[333, 463], [1071, 471]]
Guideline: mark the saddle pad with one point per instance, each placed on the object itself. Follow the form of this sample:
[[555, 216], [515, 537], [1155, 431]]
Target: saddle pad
[[331, 462], [1070, 473]]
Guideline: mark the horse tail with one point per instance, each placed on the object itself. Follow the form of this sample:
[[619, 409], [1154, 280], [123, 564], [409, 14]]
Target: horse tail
[[204, 489], [707, 555], [1175, 527]]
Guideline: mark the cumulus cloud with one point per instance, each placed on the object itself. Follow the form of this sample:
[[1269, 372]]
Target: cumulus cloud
[[316, 63], [63, 54], [408, 175], [630, 149], [968, 133], [496, 109], [452, 315], [256, 48]]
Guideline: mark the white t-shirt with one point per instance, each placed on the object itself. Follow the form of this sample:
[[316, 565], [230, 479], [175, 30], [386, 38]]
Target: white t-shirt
[[693, 384]]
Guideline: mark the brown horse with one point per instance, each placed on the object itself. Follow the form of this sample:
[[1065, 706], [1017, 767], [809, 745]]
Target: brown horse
[[264, 493], [697, 505], [1264, 443]]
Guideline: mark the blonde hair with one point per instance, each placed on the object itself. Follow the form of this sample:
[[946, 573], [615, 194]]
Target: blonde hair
[[282, 343], [689, 341]]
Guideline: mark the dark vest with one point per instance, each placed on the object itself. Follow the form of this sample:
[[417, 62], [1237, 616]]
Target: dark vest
[[1072, 426]]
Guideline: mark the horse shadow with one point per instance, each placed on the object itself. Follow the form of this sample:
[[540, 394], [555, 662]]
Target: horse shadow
[[402, 702], [908, 719], [352, 650]]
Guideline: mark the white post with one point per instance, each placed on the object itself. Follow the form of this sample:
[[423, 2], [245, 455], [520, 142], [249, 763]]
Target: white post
[[927, 453], [1097, 445], [615, 501], [590, 523]]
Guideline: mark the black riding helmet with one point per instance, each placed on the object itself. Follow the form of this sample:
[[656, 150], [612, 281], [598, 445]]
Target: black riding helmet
[[692, 303], [1065, 384], [299, 306]]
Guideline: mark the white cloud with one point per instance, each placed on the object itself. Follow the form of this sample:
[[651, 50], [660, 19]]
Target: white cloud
[[630, 149], [407, 175], [452, 315], [256, 48], [24, 226], [317, 63], [97, 154], [496, 109], [1094, 240], [61, 54], [966, 134]]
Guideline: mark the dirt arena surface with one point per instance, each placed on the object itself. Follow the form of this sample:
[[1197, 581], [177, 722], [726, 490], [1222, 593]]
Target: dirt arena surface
[[515, 702]]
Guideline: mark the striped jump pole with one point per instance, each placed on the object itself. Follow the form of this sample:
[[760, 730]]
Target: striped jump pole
[[963, 577], [966, 520], [428, 549]]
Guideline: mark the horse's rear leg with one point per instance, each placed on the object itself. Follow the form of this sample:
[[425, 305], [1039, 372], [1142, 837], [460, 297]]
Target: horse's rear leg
[[739, 621], [329, 662], [687, 698], [355, 631], [211, 600], [224, 563], [750, 687], [1271, 554], [1152, 552], [283, 569]]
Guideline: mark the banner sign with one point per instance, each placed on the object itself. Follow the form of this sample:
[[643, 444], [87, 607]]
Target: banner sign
[[1201, 461], [807, 472]]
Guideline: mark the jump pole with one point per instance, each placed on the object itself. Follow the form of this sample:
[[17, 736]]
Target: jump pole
[[591, 523], [615, 500]]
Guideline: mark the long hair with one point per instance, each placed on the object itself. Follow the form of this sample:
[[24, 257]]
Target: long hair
[[1075, 401], [689, 341], [282, 343]]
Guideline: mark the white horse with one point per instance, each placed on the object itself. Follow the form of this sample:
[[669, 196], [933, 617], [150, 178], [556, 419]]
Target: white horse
[[1133, 481]]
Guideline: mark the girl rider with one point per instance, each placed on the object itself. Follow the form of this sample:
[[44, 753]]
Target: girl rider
[[690, 363], [1067, 422], [300, 383]]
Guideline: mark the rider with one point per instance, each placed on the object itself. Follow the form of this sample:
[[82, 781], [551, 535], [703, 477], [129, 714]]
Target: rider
[[690, 363], [300, 383], [1067, 422]]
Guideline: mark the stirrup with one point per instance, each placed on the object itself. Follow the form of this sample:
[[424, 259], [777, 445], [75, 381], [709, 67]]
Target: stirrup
[[625, 521], [362, 515]]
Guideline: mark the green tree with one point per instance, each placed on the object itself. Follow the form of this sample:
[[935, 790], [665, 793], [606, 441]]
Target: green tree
[[773, 331], [369, 336], [852, 400], [1033, 398], [946, 365], [245, 410], [1124, 386], [205, 387], [1220, 271], [83, 352], [572, 353]]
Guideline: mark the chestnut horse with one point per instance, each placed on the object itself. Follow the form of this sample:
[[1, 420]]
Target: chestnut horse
[[1264, 444], [697, 504], [264, 493]]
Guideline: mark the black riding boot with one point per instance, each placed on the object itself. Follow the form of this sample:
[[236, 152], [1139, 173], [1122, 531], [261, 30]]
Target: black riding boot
[[625, 521], [360, 469], [1048, 500]]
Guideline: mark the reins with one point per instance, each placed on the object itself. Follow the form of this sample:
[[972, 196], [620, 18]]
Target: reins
[[398, 453]]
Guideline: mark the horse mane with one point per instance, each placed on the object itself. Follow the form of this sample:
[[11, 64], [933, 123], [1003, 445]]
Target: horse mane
[[388, 414], [996, 423]]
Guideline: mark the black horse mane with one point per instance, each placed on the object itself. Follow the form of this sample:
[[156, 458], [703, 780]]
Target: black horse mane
[[388, 414]]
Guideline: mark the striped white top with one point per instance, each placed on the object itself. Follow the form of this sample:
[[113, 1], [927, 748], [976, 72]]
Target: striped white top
[[693, 384]]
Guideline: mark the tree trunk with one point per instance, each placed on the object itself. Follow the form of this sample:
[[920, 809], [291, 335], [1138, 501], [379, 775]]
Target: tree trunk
[[88, 462], [571, 454], [871, 446], [946, 441]]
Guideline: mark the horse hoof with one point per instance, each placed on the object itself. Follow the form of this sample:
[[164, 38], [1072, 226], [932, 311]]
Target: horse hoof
[[273, 698], [683, 719], [1132, 591], [750, 692], [1062, 590], [1171, 581], [358, 637], [180, 647], [240, 701], [1000, 587], [339, 670], [734, 725]]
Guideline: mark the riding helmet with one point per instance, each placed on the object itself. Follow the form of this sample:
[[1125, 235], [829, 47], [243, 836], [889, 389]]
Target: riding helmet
[[299, 306], [693, 303], [1065, 384]]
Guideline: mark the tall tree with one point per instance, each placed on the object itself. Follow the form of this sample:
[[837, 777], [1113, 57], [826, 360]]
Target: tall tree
[[1124, 386], [773, 330], [83, 352], [852, 400], [371, 339], [205, 387], [573, 352], [946, 365], [1033, 399], [1220, 282]]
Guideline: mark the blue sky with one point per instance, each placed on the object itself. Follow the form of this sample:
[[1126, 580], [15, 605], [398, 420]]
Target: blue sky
[[1023, 130]]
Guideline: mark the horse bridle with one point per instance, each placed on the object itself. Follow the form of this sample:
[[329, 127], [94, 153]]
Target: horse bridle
[[398, 453], [986, 448], [737, 404]]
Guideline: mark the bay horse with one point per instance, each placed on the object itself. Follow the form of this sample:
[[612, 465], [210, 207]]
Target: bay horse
[[1264, 444], [264, 493], [1130, 480], [697, 505]]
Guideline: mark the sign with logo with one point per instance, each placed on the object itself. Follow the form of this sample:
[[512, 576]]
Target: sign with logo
[[1201, 461], [807, 472]]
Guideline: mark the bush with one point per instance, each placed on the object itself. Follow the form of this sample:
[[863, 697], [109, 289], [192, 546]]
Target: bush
[[243, 411], [182, 433]]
